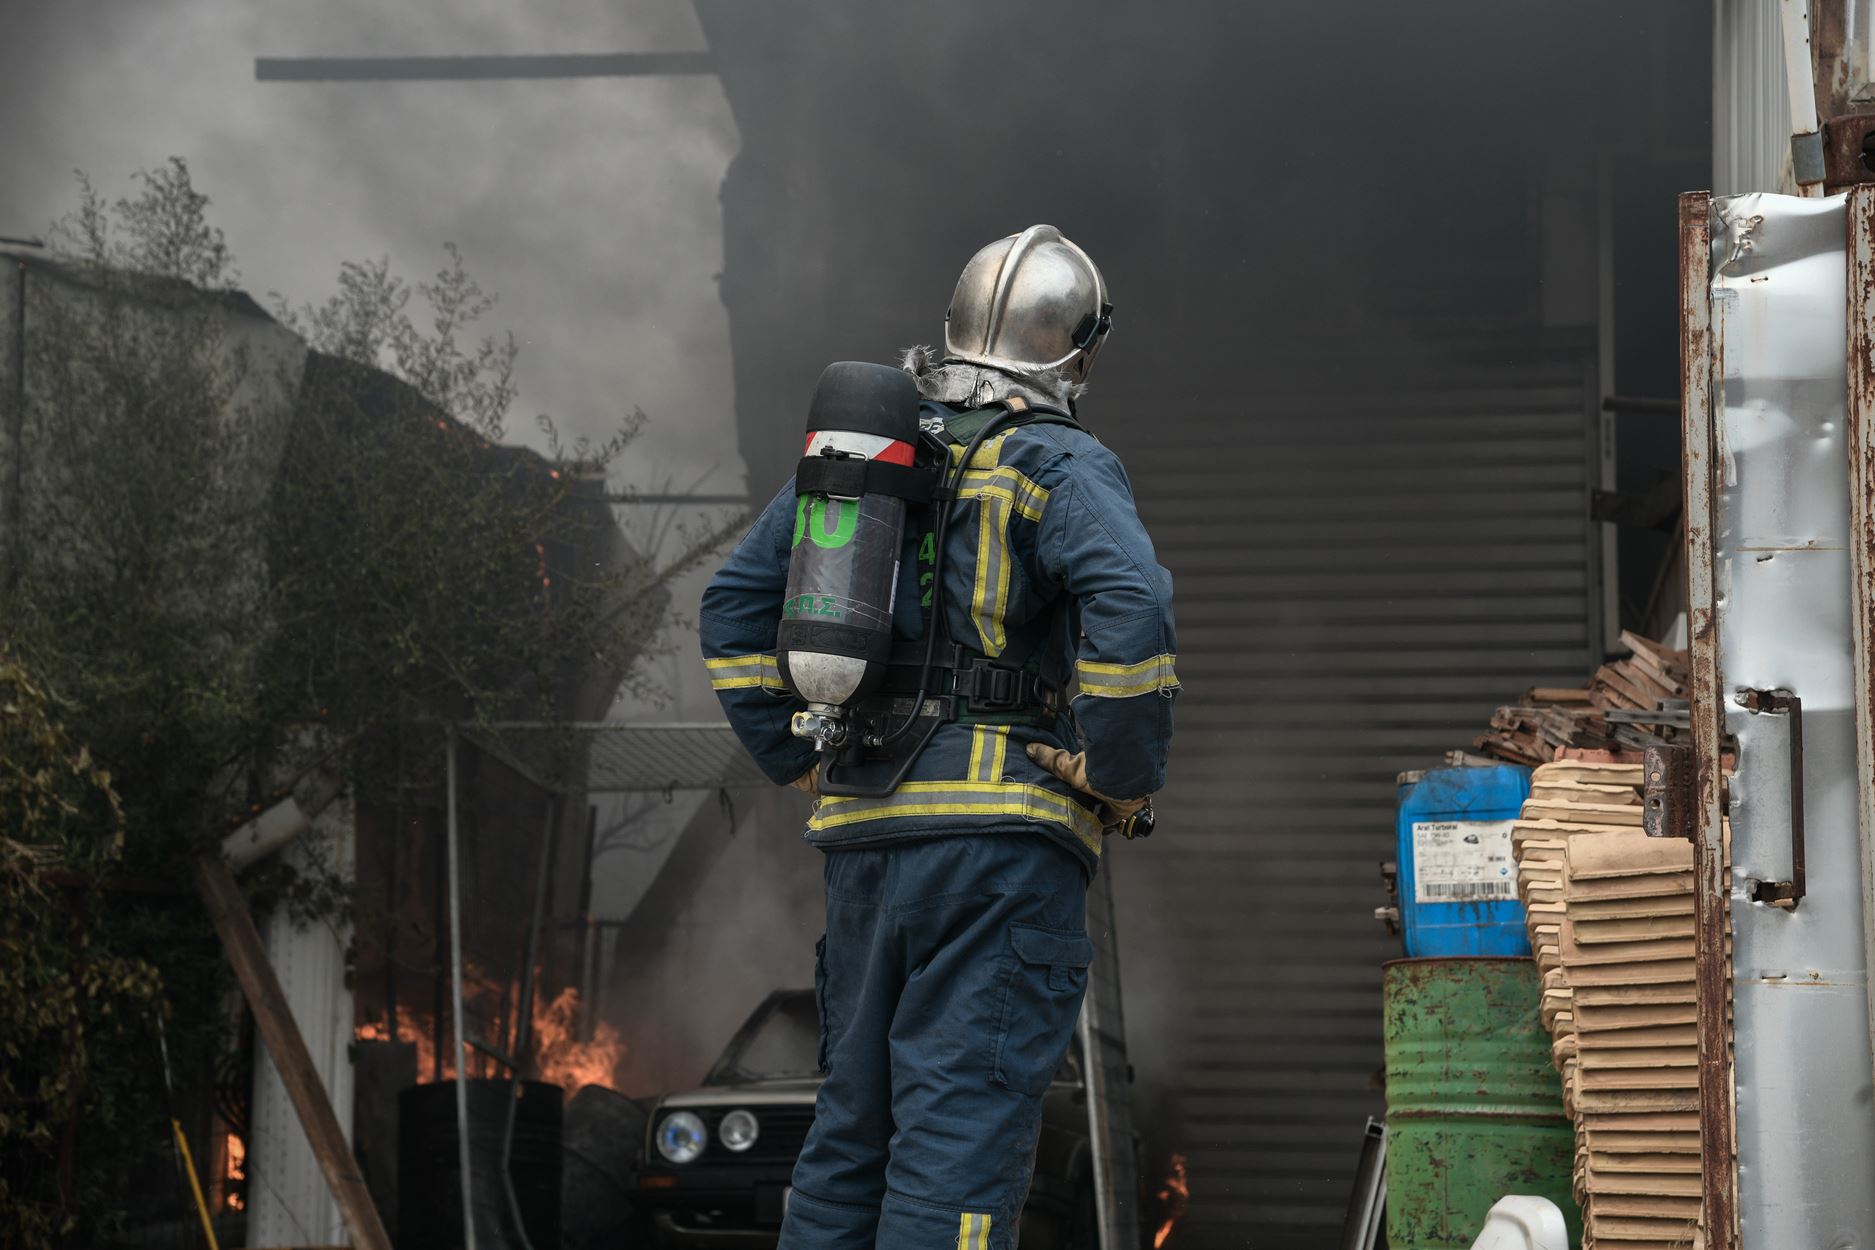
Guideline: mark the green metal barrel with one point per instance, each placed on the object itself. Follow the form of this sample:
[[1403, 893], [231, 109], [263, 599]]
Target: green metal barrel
[[1474, 1108]]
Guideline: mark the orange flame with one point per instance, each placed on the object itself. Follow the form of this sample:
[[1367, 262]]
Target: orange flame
[[559, 1056], [1172, 1195], [563, 1059], [416, 1034], [234, 1151]]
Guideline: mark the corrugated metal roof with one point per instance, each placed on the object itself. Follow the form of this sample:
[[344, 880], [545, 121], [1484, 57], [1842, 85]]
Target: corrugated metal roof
[[623, 756]]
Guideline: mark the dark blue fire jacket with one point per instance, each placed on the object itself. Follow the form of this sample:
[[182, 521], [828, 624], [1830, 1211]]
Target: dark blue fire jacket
[[1045, 521]]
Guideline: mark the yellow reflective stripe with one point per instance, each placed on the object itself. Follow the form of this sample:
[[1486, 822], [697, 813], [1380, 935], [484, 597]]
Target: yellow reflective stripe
[[989, 749], [741, 672], [1122, 681], [1001, 492], [962, 798], [983, 1231], [1008, 485], [989, 597], [973, 1232]]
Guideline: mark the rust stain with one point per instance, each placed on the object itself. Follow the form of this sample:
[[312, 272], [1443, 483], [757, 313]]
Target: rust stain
[[1859, 435], [1698, 366]]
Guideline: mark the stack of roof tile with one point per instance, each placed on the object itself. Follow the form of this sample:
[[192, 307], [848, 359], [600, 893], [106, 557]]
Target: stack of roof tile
[[1553, 722], [1610, 913]]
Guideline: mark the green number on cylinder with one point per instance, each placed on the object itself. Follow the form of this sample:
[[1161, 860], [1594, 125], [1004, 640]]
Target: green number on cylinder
[[810, 520]]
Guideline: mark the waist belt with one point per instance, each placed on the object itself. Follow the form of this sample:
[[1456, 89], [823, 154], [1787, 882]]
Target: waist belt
[[986, 692]]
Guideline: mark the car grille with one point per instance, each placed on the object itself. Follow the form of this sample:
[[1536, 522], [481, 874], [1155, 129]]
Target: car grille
[[783, 1131]]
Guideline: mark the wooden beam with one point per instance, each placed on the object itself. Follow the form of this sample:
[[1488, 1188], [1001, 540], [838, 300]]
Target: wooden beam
[[281, 1035]]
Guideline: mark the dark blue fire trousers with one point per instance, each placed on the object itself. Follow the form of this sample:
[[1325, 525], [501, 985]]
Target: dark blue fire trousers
[[950, 980]]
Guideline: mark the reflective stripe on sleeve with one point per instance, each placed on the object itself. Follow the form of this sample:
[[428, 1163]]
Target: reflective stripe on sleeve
[[742, 672], [973, 1231], [1006, 484], [962, 798], [1123, 681]]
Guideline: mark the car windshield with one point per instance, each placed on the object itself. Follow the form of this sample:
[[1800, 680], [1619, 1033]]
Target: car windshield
[[783, 1039]]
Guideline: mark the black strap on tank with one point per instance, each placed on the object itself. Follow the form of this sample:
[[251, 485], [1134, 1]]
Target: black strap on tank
[[849, 477]]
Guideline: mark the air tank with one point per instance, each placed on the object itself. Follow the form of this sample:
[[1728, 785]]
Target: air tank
[[835, 634]]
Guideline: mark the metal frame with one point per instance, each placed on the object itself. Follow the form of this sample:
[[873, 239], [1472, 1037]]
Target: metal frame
[[1860, 436], [556, 790], [1105, 1076], [1711, 897], [455, 1002]]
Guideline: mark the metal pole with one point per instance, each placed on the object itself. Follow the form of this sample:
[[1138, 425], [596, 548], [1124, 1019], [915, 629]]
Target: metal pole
[[16, 428], [524, 1018], [455, 994], [392, 887]]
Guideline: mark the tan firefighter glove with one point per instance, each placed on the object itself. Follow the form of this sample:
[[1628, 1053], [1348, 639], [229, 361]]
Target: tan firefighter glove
[[809, 781], [1073, 770]]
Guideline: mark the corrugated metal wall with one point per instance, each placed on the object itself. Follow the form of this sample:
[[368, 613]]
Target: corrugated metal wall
[[1360, 577], [1750, 110]]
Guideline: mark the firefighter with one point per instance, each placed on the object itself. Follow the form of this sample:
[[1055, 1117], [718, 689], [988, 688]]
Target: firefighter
[[955, 958]]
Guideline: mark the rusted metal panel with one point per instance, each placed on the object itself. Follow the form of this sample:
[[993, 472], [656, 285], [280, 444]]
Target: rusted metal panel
[[1805, 1122], [1848, 150], [1859, 433], [1667, 809], [1710, 898]]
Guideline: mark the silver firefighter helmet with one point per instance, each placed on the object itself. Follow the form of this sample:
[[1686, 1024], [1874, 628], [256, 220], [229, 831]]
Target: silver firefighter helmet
[[1032, 303]]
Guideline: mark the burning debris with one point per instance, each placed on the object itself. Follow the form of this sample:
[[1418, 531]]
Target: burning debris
[[1172, 1196], [234, 1172], [559, 1056]]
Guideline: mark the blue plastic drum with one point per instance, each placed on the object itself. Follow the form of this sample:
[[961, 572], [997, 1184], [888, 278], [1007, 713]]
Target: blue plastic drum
[[1458, 882]]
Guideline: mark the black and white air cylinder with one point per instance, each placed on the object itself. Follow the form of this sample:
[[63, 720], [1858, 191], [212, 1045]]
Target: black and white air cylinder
[[852, 492]]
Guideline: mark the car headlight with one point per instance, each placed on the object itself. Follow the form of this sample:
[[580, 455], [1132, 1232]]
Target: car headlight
[[681, 1137], [738, 1130]]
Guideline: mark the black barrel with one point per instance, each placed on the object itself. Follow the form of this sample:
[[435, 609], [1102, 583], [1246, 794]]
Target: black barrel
[[430, 1193], [605, 1131]]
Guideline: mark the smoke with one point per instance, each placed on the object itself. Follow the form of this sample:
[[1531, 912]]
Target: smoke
[[589, 205], [1284, 198], [732, 915]]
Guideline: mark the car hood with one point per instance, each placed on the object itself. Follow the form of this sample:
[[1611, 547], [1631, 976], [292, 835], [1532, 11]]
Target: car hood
[[781, 1092]]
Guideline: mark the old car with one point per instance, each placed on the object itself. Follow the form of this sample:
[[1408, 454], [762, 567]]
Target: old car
[[717, 1160]]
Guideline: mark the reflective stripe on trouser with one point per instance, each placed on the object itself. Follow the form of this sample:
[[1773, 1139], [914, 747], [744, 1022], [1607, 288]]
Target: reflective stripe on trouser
[[949, 983], [964, 798]]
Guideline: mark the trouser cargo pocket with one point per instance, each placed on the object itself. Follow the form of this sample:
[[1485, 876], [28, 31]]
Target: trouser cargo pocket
[[1047, 978]]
